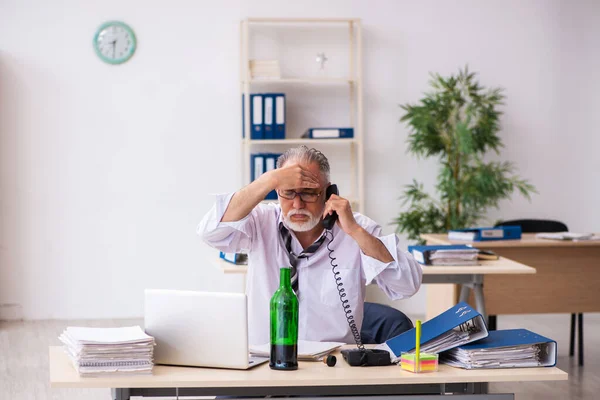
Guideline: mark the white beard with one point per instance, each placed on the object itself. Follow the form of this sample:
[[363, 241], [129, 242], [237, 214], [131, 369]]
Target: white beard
[[300, 226]]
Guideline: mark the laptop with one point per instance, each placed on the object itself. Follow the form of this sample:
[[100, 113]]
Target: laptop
[[199, 329]]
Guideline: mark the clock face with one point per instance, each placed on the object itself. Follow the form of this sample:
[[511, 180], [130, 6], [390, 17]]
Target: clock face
[[114, 42]]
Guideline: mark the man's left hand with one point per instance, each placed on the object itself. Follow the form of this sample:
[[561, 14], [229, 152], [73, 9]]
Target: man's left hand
[[342, 207]]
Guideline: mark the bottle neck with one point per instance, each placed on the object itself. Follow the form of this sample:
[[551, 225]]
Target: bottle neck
[[285, 278]]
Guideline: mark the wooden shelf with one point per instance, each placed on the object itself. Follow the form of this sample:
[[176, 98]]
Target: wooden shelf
[[301, 20], [303, 81], [299, 141]]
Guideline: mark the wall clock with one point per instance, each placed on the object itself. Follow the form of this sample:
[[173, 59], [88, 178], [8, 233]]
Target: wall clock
[[114, 42]]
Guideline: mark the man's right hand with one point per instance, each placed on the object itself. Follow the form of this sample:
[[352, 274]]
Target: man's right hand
[[293, 176], [288, 177]]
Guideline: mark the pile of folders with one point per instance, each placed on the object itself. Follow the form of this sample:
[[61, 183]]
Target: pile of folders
[[460, 336], [445, 254]]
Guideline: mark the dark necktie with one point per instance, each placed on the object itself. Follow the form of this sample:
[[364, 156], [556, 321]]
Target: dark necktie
[[287, 239]]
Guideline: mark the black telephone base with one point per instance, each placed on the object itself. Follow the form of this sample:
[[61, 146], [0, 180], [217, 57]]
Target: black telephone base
[[366, 357]]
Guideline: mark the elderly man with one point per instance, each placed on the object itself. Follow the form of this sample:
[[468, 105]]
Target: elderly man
[[291, 234]]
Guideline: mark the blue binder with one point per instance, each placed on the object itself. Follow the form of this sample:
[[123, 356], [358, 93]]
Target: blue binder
[[280, 115], [460, 318], [329, 133], [257, 165], [256, 116], [270, 164], [506, 340], [507, 232], [422, 253], [269, 115], [261, 163]]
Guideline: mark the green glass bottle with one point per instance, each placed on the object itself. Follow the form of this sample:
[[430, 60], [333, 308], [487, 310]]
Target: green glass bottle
[[284, 324]]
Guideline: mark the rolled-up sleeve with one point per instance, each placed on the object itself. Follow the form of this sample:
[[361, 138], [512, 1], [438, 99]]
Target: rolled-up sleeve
[[229, 237], [400, 278]]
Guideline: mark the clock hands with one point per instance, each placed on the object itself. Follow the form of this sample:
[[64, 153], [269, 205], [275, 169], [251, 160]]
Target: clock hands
[[114, 42]]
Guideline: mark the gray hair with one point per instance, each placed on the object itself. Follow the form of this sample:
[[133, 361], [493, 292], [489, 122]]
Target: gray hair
[[303, 154]]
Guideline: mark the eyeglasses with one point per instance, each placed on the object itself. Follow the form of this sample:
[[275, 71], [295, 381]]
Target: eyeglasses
[[305, 197]]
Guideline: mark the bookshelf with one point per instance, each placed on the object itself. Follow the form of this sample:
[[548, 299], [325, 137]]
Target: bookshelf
[[349, 82]]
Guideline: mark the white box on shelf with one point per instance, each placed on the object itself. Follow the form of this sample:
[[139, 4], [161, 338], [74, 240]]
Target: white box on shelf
[[265, 69]]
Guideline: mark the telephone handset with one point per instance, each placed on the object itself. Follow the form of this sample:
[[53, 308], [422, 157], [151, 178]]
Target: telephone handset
[[359, 356], [330, 219]]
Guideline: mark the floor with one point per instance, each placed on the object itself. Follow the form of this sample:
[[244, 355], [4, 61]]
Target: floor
[[24, 359]]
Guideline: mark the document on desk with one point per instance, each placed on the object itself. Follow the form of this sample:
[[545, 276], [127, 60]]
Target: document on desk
[[508, 348], [307, 350], [567, 236], [99, 351]]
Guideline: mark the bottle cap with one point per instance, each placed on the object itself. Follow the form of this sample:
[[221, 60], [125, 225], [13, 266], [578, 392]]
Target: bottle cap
[[330, 360]]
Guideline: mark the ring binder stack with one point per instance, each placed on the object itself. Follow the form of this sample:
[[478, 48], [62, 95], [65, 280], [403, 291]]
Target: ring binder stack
[[508, 348], [454, 327], [267, 116]]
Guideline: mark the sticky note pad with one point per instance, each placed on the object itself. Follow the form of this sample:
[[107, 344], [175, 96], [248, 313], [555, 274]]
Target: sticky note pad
[[427, 363]]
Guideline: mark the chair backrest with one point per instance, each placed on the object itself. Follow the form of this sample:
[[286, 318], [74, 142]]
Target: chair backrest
[[536, 225]]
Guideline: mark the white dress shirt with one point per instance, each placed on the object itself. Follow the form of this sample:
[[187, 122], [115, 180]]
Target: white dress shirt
[[321, 317]]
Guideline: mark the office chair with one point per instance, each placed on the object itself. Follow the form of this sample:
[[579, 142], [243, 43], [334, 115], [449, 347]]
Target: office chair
[[544, 225], [382, 322]]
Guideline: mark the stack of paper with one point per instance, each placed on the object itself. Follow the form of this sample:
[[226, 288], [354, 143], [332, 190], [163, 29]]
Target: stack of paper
[[510, 357], [454, 257], [307, 350], [445, 254], [265, 69], [99, 351], [509, 348], [567, 236]]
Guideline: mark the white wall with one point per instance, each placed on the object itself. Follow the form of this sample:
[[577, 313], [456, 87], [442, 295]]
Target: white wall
[[105, 171]]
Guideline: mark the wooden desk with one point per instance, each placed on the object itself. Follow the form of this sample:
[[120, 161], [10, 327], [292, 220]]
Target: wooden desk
[[470, 277], [567, 278], [312, 378]]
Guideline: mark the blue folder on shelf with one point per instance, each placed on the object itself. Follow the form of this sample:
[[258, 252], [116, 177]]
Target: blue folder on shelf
[[270, 164], [279, 115], [269, 116], [454, 327], [257, 165], [507, 232], [261, 163], [507, 348], [256, 116], [329, 133]]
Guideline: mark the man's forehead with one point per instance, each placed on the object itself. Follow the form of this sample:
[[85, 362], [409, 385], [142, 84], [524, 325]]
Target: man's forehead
[[311, 166]]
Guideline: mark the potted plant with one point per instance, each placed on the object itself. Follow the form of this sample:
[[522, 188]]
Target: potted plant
[[458, 123]]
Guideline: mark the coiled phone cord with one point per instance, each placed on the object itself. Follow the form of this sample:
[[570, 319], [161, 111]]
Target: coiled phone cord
[[342, 294]]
